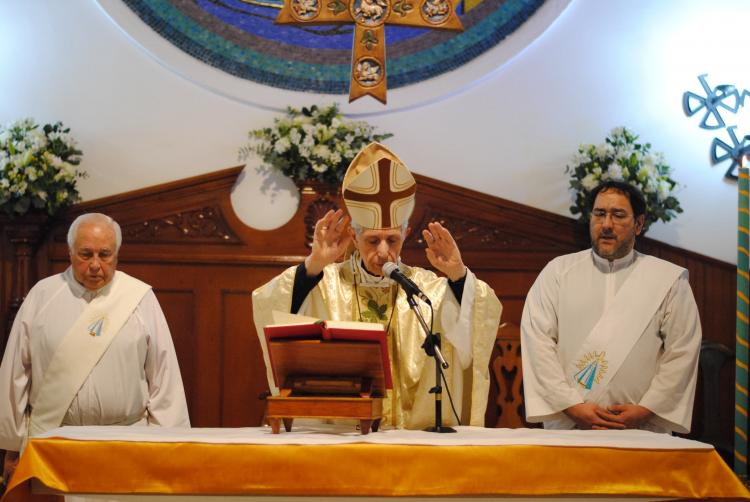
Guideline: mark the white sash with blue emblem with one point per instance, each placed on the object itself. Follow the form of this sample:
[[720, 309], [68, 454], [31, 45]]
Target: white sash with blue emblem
[[621, 325], [80, 350]]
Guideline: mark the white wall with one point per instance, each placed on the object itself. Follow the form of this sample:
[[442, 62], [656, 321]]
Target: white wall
[[603, 63]]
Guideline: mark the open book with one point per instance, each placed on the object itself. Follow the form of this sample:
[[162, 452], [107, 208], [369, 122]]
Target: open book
[[355, 348]]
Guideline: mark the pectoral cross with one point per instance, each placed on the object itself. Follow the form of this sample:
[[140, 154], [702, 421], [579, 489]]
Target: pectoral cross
[[370, 17]]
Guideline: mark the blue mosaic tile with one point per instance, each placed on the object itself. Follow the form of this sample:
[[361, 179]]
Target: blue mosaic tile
[[240, 38]]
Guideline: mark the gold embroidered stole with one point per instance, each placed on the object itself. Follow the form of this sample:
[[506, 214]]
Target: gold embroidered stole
[[376, 304]]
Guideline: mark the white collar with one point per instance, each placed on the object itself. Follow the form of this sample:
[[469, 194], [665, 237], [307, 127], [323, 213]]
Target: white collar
[[365, 278], [80, 291], [615, 265]]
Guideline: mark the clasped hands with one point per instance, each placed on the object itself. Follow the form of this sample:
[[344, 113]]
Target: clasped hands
[[615, 416], [333, 234]]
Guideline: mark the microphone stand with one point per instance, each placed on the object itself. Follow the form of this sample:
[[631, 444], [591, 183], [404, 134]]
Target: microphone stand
[[431, 346]]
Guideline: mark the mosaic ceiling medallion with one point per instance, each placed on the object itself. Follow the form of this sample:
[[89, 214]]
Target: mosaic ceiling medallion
[[323, 46]]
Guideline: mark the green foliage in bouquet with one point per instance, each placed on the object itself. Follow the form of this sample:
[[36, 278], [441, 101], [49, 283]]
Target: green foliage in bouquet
[[621, 158], [311, 144], [37, 167]]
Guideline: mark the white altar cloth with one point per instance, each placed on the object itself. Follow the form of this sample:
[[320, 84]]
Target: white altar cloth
[[338, 434]]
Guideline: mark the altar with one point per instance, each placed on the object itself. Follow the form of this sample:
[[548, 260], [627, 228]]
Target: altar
[[140, 463]]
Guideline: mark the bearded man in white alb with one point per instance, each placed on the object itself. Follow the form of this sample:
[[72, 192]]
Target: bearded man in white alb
[[610, 337], [89, 346], [379, 195]]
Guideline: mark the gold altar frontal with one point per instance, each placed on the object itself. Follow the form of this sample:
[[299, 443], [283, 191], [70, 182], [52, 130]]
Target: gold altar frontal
[[475, 463]]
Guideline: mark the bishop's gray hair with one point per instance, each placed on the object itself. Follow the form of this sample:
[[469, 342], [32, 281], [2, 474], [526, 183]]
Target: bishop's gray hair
[[94, 218]]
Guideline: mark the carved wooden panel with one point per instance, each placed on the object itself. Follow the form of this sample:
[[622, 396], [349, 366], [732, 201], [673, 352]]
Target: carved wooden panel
[[184, 239], [474, 234], [505, 404], [206, 224]]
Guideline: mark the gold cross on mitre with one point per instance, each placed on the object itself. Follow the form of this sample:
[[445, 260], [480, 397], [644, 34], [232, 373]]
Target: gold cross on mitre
[[369, 18]]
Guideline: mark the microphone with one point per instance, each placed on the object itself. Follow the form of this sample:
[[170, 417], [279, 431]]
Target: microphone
[[392, 271]]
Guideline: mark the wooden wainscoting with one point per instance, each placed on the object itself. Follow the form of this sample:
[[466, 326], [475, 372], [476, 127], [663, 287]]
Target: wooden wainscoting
[[184, 239]]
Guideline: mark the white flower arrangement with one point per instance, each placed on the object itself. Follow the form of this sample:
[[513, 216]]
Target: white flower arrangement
[[37, 167], [621, 158], [311, 144]]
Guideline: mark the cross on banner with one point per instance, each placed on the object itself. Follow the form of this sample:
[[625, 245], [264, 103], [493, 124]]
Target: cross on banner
[[369, 18]]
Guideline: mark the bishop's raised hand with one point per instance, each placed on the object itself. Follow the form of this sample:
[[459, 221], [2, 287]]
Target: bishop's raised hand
[[442, 251], [330, 240]]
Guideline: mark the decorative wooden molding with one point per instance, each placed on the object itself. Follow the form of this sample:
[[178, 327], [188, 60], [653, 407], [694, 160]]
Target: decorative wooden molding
[[209, 186], [505, 403], [473, 234], [551, 230], [206, 224]]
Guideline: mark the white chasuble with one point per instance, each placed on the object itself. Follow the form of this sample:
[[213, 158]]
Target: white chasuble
[[79, 352]]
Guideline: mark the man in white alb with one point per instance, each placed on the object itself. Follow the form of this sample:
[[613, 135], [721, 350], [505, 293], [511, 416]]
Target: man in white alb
[[610, 337], [89, 346]]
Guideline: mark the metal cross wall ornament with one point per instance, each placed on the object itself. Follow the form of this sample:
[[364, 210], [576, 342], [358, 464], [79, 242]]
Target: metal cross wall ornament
[[717, 97], [730, 99], [370, 17]]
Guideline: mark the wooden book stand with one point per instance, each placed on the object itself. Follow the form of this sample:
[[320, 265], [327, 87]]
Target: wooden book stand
[[328, 379]]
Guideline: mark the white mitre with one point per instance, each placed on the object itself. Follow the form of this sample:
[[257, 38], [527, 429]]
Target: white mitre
[[378, 189]]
